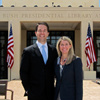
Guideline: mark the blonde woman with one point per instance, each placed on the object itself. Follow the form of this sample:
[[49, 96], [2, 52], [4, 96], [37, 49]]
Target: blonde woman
[[68, 71]]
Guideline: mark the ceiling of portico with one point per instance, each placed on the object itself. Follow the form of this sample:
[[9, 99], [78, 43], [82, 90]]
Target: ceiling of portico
[[52, 25], [3, 25]]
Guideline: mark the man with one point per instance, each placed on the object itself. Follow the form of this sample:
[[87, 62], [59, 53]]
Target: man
[[37, 75]]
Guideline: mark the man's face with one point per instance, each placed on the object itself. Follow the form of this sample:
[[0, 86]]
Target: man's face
[[42, 34]]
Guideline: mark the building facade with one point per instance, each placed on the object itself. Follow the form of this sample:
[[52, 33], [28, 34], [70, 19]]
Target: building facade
[[69, 18]]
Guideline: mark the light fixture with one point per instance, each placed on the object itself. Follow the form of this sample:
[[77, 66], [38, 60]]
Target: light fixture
[[92, 6], [80, 6], [58, 5], [24, 6], [46, 5], [12, 6], [69, 6], [35, 6]]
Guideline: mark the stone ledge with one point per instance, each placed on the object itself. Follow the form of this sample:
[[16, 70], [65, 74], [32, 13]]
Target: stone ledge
[[89, 75]]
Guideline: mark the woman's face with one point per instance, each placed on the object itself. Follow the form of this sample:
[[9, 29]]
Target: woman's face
[[64, 46]]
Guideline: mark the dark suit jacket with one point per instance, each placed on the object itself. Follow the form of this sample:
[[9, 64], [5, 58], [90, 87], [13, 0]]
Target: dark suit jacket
[[70, 85], [38, 78]]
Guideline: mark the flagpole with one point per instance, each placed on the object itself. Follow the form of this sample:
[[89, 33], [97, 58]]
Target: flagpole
[[89, 68], [10, 74], [9, 67]]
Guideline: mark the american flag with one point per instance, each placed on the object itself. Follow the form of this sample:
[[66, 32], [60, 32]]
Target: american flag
[[89, 48], [10, 51]]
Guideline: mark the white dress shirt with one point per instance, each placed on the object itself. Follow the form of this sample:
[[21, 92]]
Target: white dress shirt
[[40, 47]]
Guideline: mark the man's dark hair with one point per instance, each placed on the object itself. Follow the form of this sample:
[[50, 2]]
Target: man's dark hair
[[42, 23]]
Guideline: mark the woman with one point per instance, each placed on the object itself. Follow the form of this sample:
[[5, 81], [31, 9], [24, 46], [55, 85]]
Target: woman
[[68, 71]]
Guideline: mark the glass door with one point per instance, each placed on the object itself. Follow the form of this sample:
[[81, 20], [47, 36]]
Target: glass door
[[52, 38], [3, 54], [97, 49]]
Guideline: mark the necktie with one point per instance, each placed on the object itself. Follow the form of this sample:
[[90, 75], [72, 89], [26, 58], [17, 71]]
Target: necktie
[[44, 54]]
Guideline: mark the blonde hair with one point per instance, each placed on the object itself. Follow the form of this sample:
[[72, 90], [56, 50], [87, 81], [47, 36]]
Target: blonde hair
[[71, 50]]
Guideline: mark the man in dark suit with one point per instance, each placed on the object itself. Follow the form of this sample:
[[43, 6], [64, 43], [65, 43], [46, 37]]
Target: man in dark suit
[[36, 74]]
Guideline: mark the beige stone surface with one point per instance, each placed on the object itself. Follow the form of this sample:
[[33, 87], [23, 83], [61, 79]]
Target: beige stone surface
[[18, 16], [16, 86], [42, 3], [91, 90]]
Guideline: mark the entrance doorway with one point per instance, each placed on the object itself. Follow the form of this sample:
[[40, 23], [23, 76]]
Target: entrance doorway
[[97, 50], [3, 54], [53, 37]]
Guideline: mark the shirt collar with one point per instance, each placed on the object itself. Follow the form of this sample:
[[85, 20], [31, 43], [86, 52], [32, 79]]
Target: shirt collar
[[58, 60], [40, 45]]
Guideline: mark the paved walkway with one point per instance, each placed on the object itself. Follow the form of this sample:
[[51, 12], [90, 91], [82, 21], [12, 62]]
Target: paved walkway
[[91, 90]]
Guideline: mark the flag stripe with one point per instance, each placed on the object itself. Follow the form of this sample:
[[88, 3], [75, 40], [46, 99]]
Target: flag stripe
[[89, 48], [10, 51], [10, 45], [10, 40]]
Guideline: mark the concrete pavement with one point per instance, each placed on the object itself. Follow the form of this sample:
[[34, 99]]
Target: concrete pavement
[[91, 90]]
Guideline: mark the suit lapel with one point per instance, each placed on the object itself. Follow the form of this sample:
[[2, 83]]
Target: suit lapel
[[58, 66], [38, 53], [49, 54]]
